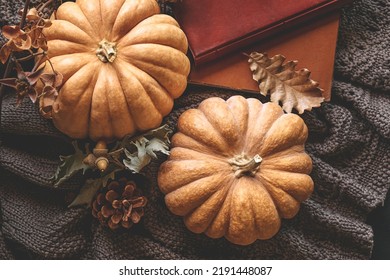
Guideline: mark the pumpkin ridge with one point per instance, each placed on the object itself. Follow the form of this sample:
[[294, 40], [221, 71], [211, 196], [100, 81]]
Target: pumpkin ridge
[[263, 117], [291, 135], [193, 194], [167, 72], [81, 47], [66, 105], [286, 152], [181, 185], [101, 19], [189, 219], [109, 11], [136, 55], [121, 78], [210, 157], [119, 117], [213, 151], [265, 185], [95, 78], [178, 42], [122, 87], [142, 10], [226, 207], [196, 126], [226, 189], [216, 129], [74, 5], [236, 122], [159, 88], [296, 162], [256, 226], [206, 151], [58, 26], [93, 81], [236, 217], [193, 173], [98, 28], [271, 189], [261, 230], [73, 73], [117, 69], [219, 115], [60, 94], [299, 192]]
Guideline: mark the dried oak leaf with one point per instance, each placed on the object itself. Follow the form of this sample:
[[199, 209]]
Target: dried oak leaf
[[293, 88], [139, 152]]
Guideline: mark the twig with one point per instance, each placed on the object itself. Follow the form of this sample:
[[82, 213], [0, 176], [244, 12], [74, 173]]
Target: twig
[[23, 21]]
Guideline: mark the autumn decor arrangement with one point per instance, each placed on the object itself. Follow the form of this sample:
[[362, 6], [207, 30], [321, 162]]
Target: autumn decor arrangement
[[239, 166], [107, 73]]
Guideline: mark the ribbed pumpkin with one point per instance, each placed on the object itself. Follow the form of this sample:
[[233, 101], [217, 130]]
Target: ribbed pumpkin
[[236, 168], [123, 64]]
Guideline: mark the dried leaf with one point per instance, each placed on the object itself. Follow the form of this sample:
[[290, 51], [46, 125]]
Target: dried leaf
[[11, 31], [141, 151], [5, 52], [70, 165], [161, 133], [88, 191], [52, 79], [10, 82], [293, 88]]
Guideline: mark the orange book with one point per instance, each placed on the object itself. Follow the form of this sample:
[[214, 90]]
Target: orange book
[[313, 45]]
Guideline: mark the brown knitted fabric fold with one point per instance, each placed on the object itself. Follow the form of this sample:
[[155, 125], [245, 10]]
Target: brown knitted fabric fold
[[349, 142]]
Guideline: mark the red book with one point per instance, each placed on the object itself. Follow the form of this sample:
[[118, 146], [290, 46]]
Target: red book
[[217, 27]]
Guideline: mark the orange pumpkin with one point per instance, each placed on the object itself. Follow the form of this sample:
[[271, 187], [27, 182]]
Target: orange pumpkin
[[123, 64], [236, 168]]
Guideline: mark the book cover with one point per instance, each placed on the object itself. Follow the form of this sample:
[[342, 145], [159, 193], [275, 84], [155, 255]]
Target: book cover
[[217, 27]]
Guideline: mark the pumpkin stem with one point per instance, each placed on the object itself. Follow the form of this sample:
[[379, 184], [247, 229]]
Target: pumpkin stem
[[106, 51], [244, 165]]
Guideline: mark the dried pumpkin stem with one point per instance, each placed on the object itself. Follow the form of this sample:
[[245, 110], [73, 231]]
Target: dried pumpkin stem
[[106, 51], [243, 165]]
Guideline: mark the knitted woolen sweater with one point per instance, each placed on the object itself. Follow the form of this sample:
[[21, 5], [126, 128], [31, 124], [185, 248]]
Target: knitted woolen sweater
[[349, 143]]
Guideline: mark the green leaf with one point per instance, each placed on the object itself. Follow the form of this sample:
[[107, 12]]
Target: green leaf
[[70, 165], [88, 191], [139, 152]]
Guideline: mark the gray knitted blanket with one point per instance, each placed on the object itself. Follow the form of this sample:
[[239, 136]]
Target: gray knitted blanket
[[349, 142]]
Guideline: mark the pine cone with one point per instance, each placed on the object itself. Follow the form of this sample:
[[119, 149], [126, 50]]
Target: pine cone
[[119, 204]]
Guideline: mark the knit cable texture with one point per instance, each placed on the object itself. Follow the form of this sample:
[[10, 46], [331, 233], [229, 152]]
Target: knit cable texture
[[349, 143]]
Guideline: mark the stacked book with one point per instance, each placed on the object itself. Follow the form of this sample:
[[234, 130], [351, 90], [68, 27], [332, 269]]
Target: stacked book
[[221, 32]]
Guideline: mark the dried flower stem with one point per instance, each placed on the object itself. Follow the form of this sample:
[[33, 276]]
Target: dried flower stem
[[44, 5], [10, 61], [29, 56], [23, 21]]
